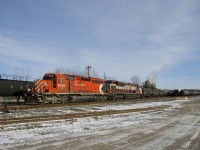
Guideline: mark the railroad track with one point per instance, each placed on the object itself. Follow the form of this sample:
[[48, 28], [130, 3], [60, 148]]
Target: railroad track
[[35, 106], [7, 121]]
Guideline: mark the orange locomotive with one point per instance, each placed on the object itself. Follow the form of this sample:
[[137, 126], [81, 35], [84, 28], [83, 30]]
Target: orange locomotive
[[64, 88]]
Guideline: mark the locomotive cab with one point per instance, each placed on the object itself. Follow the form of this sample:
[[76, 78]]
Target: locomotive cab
[[51, 83], [55, 83], [50, 78], [109, 86]]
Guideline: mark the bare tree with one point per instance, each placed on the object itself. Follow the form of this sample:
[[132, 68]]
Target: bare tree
[[110, 78], [76, 71], [95, 73], [136, 80], [57, 70], [23, 73]]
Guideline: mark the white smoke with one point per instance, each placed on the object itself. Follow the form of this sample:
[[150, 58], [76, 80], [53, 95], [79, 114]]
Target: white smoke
[[152, 77]]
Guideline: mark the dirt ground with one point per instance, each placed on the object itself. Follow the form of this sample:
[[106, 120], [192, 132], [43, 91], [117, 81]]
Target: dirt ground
[[173, 128]]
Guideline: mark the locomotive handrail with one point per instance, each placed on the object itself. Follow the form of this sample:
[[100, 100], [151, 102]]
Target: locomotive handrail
[[13, 77]]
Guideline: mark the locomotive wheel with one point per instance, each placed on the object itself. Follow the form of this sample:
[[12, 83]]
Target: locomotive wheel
[[69, 99], [124, 97], [96, 98]]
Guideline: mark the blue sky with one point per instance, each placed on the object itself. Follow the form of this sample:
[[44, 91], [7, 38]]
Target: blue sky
[[119, 37]]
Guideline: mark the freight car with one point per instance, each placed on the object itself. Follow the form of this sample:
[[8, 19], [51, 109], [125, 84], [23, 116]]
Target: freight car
[[154, 92], [13, 85], [150, 92], [189, 92]]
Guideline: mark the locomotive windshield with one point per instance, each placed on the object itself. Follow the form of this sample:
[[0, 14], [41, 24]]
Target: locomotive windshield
[[51, 77]]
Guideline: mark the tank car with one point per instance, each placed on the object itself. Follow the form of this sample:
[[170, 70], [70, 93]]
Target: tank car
[[13, 85], [151, 92], [189, 92], [162, 92], [196, 92]]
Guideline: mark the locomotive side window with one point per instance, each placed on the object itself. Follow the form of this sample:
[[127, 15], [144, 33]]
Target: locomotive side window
[[61, 81], [70, 77], [85, 79], [113, 87]]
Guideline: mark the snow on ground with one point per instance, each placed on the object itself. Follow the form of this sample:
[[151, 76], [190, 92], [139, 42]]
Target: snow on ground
[[35, 133], [88, 108]]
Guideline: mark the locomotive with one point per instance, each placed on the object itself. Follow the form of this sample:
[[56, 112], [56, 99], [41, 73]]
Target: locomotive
[[54, 88]]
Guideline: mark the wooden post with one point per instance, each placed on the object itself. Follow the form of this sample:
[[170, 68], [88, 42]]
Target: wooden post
[[5, 108]]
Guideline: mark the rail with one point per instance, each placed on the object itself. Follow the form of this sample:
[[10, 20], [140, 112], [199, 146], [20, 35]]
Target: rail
[[6, 121]]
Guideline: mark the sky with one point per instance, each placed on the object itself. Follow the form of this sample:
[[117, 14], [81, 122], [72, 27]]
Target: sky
[[120, 38]]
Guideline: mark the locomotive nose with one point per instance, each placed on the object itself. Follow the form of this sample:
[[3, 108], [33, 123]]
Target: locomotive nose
[[102, 88]]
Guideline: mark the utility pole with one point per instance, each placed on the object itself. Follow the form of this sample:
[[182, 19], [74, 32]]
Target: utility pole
[[88, 70]]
